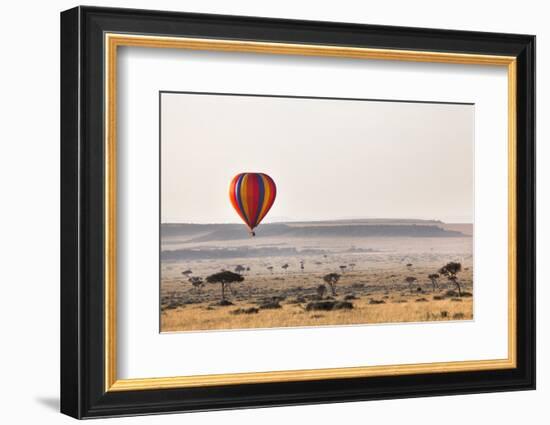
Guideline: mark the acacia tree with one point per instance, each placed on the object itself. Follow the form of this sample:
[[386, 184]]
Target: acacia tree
[[450, 271], [239, 269], [410, 280], [270, 268], [351, 266], [284, 266], [224, 278], [321, 291], [343, 268], [433, 277], [197, 283], [332, 279]]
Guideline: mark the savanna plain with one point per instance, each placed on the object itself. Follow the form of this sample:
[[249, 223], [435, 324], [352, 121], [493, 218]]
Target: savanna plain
[[324, 273]]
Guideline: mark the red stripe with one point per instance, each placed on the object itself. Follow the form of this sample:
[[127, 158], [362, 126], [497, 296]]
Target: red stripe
[[252, 196]]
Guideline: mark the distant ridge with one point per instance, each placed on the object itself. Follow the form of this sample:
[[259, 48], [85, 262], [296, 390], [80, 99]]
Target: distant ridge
[[197, 233], [335, 222]]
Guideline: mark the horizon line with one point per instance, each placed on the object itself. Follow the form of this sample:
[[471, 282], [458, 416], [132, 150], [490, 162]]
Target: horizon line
[[328, 220]]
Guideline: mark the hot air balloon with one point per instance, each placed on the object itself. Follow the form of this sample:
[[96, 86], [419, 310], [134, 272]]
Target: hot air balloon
[[252, 195]]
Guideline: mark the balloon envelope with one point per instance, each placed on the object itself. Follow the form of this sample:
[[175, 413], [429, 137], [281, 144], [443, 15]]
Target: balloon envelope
[[252, 195]]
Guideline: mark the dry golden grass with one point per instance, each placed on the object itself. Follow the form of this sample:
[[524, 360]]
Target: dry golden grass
[[200, 317], [379, 275]]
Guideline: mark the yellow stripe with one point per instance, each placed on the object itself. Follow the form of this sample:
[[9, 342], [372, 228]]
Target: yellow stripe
[[267, 194], [244, 198]]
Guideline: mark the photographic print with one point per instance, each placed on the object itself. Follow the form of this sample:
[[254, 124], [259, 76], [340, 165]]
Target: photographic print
[[261, 183], [281, 211]]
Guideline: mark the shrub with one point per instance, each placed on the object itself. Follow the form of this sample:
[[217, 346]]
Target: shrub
[[342, 305], [197, 283], [321, 291], [221, 303], [277, 298], [250, 310], [332, 279], [173, 306], [320, 305], [328, 305], [433, 278], [409, 280], [297, 300], [270, 305]]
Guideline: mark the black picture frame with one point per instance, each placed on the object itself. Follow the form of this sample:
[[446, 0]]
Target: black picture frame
[[83, 392]]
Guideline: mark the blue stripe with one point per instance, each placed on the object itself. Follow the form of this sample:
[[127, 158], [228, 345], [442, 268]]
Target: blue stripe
[[260, 198]]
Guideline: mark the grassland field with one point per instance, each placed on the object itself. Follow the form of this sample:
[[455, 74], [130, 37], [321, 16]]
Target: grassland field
[[282, 277]]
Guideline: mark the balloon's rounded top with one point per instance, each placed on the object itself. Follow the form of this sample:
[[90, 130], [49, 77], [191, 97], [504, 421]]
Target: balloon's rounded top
[[252, 195]]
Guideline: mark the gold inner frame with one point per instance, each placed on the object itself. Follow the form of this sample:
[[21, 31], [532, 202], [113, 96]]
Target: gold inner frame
[[113, 41]]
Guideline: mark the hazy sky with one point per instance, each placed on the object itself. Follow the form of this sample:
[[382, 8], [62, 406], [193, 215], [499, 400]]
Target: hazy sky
[[330, 159]]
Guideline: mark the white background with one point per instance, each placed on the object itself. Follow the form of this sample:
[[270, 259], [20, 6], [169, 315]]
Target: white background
[[29, 225], [143, 72]]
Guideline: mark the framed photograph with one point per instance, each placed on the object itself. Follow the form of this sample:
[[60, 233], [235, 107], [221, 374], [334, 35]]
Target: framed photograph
[[261, 212]]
